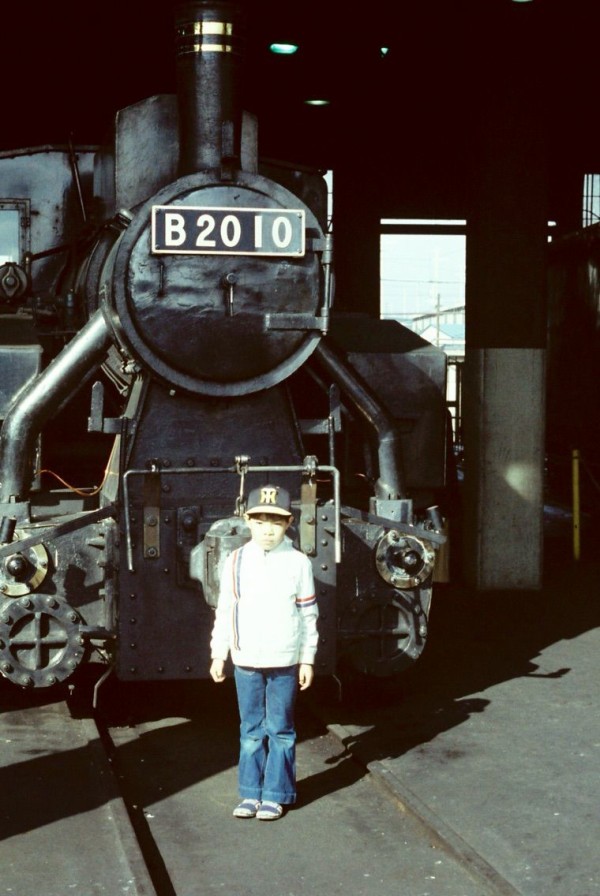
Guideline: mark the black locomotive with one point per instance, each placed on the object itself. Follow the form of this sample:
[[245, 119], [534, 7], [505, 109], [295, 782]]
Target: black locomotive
[[167, 342]]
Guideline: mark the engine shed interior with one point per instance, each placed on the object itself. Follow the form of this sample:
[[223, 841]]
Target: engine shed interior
[[476, 112]]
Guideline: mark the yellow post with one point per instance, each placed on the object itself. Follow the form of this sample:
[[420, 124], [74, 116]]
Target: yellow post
[[576, 509]]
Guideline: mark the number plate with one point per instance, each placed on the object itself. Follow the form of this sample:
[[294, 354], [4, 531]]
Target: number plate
[[191, 230]]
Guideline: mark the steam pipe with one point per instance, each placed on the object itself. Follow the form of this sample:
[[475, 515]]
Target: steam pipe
[[209, 44], [39, 401], [391, 482]]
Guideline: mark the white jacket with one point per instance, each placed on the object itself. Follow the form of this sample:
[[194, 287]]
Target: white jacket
[[267, 611]]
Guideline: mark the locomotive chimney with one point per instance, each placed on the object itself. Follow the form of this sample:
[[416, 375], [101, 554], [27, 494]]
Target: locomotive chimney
[[209, 46]]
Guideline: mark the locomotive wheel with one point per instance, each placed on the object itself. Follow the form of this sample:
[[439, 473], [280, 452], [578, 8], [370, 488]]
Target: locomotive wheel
[[40, 640], [383, 637]]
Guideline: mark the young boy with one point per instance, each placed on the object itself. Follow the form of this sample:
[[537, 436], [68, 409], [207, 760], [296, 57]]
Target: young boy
[[267, 619]]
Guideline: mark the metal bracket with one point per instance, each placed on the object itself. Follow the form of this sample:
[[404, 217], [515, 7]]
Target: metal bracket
[[152, 515], [290, 321], [97, 422], [308, 517]]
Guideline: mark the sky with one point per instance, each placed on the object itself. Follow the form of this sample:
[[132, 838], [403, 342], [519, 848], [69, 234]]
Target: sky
[[420, 273]]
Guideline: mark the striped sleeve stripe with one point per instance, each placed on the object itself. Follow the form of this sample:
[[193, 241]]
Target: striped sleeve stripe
[[236, 568], [306, 601]]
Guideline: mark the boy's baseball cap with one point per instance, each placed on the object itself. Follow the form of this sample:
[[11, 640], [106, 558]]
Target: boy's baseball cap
[[269, 499]]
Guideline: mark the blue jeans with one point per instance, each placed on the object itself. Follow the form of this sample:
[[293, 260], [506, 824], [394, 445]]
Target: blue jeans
[[266, 698]]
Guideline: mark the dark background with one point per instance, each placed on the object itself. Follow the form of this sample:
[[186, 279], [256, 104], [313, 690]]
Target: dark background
[[66, 68]]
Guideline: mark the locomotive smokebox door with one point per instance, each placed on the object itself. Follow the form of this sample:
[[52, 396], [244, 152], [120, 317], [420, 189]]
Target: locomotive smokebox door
[[217, 286]]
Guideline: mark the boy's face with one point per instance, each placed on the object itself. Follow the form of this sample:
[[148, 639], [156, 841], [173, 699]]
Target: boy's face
[[268, 529]]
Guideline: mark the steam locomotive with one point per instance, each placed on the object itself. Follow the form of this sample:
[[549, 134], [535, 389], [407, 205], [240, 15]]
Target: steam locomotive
[[167, 343]]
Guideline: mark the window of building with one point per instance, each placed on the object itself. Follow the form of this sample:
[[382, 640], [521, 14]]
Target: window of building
[[422, 285], [14, 230], [422, 267], [591, 200]]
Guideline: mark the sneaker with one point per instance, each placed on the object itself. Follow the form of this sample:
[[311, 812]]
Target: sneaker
[[246, 809], [269, 811]]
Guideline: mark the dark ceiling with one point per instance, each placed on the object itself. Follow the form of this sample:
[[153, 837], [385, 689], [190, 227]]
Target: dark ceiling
[[67, 67]]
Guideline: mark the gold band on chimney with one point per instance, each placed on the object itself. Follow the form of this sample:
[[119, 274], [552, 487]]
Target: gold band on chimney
[[202, 37]]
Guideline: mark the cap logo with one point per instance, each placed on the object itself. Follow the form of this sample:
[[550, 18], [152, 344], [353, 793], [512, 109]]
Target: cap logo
[[268, 496]]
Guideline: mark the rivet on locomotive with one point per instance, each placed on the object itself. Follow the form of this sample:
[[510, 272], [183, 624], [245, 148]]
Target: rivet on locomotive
[[179, 290]]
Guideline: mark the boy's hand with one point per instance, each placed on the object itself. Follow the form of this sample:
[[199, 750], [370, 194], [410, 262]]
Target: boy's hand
[[216, 670], [305, 676]]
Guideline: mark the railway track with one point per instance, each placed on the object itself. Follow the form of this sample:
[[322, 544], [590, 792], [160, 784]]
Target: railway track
[[140, 802]]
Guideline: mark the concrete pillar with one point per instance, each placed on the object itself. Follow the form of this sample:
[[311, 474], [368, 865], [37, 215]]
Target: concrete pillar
[[504, 382], [504, 448]]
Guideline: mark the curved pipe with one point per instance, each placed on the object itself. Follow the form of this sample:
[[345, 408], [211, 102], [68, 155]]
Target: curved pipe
[[391, 482], [39, 401]]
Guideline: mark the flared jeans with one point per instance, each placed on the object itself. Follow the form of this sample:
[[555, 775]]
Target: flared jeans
[[266, 699]]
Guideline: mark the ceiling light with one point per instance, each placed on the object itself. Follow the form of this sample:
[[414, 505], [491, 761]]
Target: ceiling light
[[283, 49], [317, 102]]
